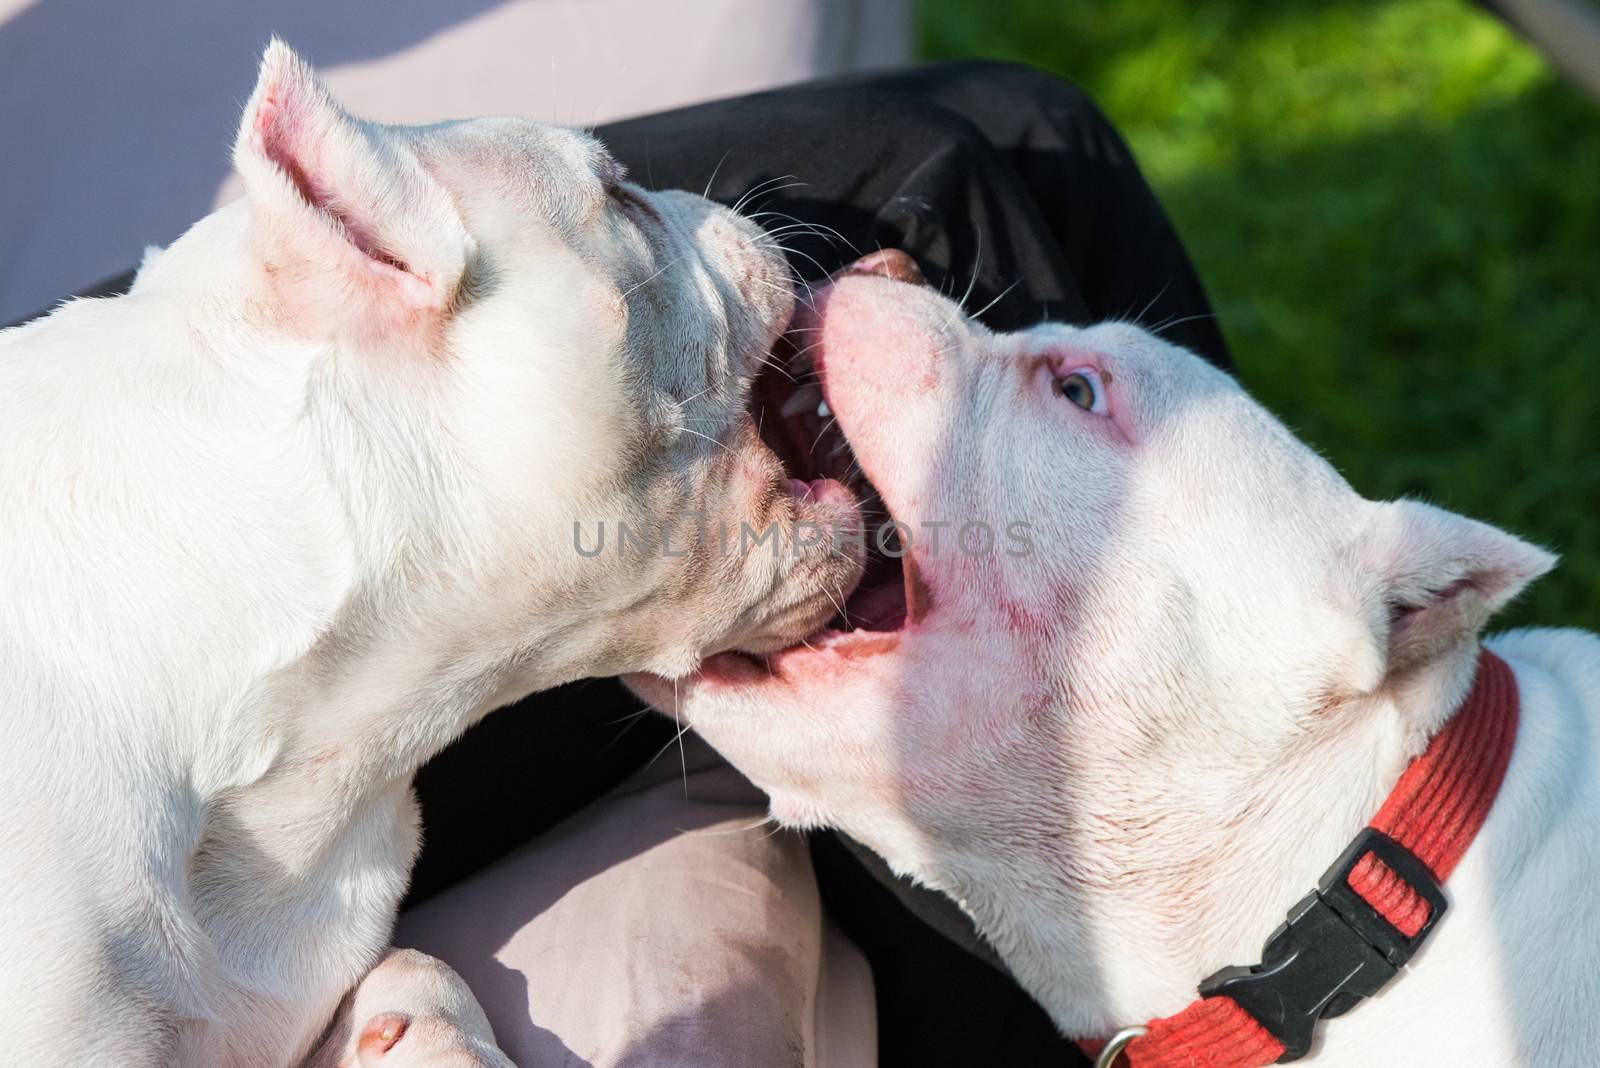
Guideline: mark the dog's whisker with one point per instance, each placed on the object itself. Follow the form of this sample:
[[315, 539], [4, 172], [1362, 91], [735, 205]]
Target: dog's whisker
[[683, 757], [1152, 302], [800, 354], [838, 604], [972, 283], [659, 271], [757, 189], [825, 428], [702, 393], [1170, 323], [629, 722], [714, 172], [774, 191], [773, 362], [714, 441], [823, 271], [824, 230], [711, 832], [628, 718], [998, 298], [798, 298]]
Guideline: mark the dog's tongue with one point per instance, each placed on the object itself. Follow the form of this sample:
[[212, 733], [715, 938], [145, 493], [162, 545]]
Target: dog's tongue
[[820, 489]]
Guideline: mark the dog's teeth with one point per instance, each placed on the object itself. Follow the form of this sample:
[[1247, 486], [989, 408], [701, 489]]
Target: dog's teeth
[[801, 400], [823, 409]]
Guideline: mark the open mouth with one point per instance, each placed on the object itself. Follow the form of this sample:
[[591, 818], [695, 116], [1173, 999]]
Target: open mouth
[[788, 406]]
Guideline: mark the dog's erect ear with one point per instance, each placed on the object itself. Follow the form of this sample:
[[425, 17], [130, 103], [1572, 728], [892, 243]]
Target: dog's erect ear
[[352, 229], [1439, 577]]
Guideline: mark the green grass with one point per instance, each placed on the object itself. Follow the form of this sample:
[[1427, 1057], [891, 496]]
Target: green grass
[[1395, 206]]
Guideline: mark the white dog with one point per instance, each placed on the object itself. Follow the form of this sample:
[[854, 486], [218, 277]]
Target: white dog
[[1131, 736], [287, 518]]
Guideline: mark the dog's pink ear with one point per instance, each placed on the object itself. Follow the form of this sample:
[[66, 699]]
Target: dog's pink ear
[[1439, 577], [351, 228]]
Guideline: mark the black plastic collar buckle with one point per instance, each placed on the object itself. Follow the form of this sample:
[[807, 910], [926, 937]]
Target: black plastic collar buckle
[[1334, 950]]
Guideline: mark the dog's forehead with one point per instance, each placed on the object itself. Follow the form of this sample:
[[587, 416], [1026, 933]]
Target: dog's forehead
[[495, 160]]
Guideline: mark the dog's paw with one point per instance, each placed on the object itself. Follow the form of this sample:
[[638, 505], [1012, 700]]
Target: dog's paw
[[413, 1011], [400, 1040]]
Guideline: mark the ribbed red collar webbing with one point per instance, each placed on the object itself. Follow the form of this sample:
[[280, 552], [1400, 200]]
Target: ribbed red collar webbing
[[1435, 810]]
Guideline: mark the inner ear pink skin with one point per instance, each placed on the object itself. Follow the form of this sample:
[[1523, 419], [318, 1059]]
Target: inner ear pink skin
[[286, 136], [288, 139]]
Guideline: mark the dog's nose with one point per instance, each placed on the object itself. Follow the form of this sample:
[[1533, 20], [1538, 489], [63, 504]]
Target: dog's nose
[[891, 263]]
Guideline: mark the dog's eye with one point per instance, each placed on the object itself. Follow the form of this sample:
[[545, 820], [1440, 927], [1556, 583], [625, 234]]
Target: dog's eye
[[1083, 388], [611, 175], [619, 195]]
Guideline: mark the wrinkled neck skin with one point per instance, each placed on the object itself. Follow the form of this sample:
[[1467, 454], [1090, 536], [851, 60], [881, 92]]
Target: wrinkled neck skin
[[318, 575], [1153, 865]]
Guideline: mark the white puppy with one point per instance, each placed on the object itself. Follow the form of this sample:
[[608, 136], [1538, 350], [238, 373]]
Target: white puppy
[[306, 503], [1129, 737]]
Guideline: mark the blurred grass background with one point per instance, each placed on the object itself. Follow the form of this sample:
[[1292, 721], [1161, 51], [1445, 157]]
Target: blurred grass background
[[1395, 206]]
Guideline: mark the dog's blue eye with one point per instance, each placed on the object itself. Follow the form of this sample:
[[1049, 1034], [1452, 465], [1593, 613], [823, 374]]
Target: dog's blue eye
[[1079, 388]]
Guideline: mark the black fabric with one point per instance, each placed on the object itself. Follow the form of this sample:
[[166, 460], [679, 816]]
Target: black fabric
[[992, 175], [1006, 184]]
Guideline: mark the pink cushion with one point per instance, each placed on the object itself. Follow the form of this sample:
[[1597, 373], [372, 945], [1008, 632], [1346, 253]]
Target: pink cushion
[[665, 924]]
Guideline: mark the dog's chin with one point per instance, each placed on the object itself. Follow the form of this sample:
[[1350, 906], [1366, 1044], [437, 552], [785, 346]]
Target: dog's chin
[[785, 635], [818, 553]]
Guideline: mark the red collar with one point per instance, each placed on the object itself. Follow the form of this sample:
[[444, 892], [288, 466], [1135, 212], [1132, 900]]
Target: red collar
[[1369, 914]]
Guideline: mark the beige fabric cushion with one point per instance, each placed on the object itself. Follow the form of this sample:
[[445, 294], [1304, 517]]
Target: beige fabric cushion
[[666, 924]]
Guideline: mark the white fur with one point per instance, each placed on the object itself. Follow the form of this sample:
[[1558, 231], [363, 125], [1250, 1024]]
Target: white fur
[[295, 512], [1127, 754]]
